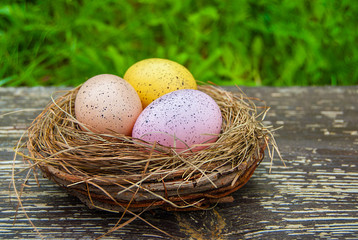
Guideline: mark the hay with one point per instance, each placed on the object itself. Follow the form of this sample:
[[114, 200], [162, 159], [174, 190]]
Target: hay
[[114, 172]]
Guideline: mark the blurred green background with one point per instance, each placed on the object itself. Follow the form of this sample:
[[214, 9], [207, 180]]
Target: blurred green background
[[244, 42]]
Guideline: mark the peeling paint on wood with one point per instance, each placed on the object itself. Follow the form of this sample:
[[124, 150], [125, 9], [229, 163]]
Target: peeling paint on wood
[[314, 196]]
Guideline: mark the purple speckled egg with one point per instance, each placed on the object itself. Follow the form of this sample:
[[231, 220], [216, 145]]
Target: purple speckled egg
[[107, 103], [180, 119]]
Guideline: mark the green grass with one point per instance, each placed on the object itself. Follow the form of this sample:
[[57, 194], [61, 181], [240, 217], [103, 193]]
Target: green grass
[[246, 42]]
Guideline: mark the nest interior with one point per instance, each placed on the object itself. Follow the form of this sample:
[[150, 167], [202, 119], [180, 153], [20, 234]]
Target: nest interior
[[114, 172]]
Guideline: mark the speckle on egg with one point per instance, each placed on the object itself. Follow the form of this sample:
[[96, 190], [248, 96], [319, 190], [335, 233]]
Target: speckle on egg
[[107, 103], [180, 119]]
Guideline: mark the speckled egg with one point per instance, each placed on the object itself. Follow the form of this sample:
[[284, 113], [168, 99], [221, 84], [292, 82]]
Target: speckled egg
[[155, 77], [107, 103], [180, 119]]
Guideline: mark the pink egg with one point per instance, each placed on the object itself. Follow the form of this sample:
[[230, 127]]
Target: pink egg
[[107, 103], [180, 119]]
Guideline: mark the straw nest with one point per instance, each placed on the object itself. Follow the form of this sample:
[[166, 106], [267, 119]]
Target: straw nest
[[118, 173]]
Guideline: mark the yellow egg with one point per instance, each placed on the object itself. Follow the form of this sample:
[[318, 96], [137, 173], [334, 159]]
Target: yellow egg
[[154, 77]]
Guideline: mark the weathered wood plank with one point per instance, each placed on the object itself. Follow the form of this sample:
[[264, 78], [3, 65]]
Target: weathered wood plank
[[314, 196]]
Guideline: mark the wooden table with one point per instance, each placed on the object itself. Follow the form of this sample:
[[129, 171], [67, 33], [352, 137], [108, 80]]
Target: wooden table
[[314, 196]]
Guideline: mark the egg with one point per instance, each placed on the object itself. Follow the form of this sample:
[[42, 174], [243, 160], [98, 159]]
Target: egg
[[180, 119], [155, 77], [107, 103]]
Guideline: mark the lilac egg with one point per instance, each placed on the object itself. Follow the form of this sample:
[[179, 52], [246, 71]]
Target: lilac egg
[[180, 119]]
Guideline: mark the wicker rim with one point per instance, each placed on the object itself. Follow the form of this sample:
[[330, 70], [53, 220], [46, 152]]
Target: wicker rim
[[173, 198]]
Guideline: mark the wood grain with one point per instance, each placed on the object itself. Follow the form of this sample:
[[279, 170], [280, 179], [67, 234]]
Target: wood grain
[[314, 196]]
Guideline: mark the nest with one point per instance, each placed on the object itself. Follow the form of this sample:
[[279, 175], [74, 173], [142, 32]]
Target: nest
[[117, 173]]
